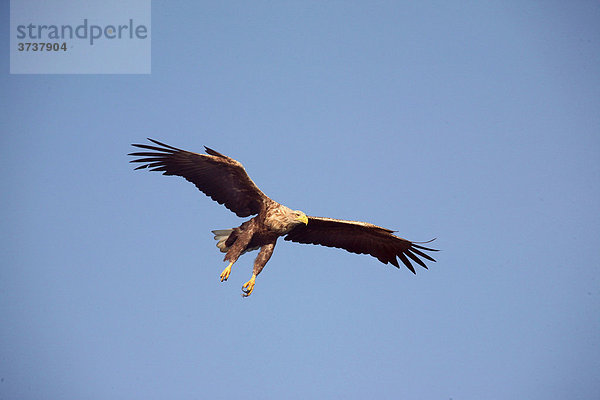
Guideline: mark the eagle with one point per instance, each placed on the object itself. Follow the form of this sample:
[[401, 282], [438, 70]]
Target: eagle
[[225, 181]]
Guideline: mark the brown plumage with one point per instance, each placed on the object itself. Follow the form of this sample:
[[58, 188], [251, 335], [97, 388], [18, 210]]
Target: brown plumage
[[225, 180]]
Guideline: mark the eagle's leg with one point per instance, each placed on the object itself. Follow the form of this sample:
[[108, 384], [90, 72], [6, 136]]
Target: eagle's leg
[[226, 272], [261, 260], [235, 249]]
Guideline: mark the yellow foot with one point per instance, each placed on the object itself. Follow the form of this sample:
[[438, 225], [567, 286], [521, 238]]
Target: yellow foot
[[226, 272], [248, 286]]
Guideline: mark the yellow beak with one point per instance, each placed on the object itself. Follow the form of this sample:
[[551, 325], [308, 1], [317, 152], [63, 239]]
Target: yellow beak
[[303, 218]]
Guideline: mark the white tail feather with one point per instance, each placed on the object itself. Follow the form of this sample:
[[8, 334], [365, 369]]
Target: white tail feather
[[221, 236]]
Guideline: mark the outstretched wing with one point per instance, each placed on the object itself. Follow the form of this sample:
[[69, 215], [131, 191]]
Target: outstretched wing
[[360, 238], [221, 178]]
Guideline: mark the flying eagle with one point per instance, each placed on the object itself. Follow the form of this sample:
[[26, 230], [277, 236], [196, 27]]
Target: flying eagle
[[225, 180]]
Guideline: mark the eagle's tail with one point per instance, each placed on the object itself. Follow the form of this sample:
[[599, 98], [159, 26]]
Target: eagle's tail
[[221, 236]]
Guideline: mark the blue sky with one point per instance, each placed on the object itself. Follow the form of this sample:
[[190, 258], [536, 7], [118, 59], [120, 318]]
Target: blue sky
[[474, 122]]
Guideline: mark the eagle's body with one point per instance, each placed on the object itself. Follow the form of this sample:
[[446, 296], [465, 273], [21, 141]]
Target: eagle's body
[[260, 232], [225, 180]]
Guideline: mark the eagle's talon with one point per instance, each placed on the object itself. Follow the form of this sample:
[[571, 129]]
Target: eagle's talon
[[248, 287], [226, 272]]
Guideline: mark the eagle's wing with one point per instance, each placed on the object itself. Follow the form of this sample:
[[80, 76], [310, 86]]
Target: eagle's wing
[[221, 178], [360, 238]]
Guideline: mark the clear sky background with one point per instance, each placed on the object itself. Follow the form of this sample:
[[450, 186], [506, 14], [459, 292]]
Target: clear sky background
[[474, 122]]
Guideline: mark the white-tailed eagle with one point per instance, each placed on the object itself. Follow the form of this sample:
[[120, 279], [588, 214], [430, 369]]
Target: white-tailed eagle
[[225, 180]]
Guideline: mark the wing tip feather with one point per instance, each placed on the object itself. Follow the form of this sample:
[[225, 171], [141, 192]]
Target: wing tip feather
[[214, 152]]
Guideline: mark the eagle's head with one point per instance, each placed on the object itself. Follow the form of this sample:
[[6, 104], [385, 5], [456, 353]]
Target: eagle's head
[[281, 219], [300, 217]]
